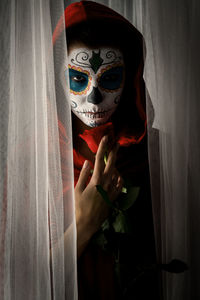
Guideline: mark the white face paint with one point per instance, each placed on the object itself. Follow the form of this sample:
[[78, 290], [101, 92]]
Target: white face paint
[[96, 83]]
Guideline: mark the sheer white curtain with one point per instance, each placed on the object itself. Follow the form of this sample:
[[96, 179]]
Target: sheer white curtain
[[171, 30], [35, 263]]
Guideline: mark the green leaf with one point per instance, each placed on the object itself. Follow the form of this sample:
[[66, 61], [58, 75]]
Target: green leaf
[[124, 190], [105, 158], [127, 200], [105, 225], [120, 223], [104, 195], [100, 239]]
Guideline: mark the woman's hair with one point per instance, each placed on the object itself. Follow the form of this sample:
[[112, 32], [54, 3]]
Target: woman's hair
[[95, 34]]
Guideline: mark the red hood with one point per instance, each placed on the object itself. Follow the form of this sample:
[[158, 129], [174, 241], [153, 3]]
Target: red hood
[[82, 11], [126, 130]]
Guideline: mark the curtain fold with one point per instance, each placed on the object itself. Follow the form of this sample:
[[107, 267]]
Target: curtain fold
[[171, 31], [36, 262]]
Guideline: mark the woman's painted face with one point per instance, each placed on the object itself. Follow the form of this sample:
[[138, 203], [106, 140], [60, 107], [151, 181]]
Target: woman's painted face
[[96, 83]]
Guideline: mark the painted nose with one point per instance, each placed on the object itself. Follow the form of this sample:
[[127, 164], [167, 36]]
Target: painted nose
[[95, 96]]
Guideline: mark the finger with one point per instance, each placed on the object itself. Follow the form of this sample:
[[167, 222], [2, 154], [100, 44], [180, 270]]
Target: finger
[[117, 189], [120, 183], [99, 160], [111, 160], [83, 177], [110, 181], [114, 180], [109, 185]]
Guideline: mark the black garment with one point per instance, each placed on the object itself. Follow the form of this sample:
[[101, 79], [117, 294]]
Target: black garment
[[134, 277]]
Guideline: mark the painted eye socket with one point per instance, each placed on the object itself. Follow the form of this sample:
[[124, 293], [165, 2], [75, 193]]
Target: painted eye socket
[[78, 81], [111, 79]]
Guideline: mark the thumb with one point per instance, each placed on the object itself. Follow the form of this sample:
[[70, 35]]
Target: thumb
[[83, 177]]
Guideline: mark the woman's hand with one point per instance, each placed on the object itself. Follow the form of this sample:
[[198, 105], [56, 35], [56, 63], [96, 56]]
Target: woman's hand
[[91, 209]]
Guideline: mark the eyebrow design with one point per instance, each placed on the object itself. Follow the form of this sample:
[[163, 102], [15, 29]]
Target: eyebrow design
[[82, 59]]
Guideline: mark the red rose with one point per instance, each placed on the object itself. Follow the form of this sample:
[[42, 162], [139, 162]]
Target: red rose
[[127, 140], [93, 136]]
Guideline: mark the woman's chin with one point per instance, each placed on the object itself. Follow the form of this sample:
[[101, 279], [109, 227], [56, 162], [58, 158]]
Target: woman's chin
[[96, 122]]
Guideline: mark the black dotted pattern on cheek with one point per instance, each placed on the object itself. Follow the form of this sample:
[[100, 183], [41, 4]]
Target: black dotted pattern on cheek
[[92, 123]]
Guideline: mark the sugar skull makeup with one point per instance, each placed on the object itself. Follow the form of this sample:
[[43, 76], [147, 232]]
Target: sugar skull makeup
[[96, 83]]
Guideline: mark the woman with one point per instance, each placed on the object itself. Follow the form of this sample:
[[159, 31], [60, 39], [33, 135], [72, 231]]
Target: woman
[[115, 239]]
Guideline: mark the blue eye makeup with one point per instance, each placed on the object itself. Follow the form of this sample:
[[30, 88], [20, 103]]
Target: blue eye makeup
[[111, 79], [78, 81]]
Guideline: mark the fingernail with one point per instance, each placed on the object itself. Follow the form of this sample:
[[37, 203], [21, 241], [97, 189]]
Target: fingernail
[[86, 164]]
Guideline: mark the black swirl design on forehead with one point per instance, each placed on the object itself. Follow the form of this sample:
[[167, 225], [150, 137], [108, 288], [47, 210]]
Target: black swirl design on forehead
[[113, 57], [82, 59]]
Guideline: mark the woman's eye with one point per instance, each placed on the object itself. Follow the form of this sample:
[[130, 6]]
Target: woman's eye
[[78, 78], [111, 77]]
